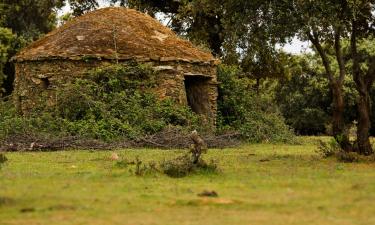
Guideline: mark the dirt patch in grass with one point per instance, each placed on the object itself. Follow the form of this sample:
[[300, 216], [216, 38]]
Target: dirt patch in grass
[[207, 201]]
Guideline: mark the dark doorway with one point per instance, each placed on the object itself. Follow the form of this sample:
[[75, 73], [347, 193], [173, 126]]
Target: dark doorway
[[197, 90], [45, 83]]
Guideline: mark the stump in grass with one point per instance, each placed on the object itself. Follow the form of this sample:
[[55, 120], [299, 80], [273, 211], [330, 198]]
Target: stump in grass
[[185, 164], [198, 147]]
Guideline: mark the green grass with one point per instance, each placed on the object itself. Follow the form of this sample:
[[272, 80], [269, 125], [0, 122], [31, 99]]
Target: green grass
[[257, 184]]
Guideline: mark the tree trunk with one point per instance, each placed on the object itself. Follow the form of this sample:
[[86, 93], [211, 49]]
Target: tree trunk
[[338, 104], [364, 123], [338, 123], [363, 84]]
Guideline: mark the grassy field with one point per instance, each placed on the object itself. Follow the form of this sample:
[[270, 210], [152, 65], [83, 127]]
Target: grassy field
[[256, 184]]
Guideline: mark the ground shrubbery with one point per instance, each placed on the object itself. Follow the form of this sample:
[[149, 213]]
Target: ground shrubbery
[[177, 167], [331, 149], [115, 103], [181, 166], [109, 104], [243, 109]]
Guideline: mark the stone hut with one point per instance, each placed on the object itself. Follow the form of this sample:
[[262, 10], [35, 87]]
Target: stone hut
[[112, 35]]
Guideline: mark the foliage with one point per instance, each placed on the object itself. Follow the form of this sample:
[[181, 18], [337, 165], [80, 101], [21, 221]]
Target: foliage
[[328, 149], [253, 115], [27, 20], [80, 7], [6, 40], [177, 167], [331, 149], [183, 165], [304, 97], [110, 103], [30, 19]]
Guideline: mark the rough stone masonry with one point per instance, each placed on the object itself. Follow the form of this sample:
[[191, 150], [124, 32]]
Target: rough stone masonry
[[117, 35]]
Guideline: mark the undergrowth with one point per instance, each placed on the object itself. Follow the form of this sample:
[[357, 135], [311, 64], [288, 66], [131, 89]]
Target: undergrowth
[[181, 166], [177, 167], [241, 108], [117, 102], [332, 149], [108, 104]]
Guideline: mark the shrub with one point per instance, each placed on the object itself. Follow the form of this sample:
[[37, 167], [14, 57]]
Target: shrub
[[329, 149], [333, 149], [243, 109], [305, 99], [109, 103], [188, 163], [183, 165], [118, 102], [178, 167]]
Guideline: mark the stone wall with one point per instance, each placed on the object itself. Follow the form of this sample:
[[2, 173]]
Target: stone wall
[[37, 78]]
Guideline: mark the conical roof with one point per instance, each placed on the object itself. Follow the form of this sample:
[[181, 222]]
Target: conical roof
[[114, 33]]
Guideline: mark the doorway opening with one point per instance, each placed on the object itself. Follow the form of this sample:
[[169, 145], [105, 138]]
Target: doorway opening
[[197, 94]]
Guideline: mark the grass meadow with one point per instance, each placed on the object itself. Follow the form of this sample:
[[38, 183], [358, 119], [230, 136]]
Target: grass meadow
[[256, 184]]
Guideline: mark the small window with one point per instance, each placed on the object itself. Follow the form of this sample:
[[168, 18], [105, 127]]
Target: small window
[[45, 83]]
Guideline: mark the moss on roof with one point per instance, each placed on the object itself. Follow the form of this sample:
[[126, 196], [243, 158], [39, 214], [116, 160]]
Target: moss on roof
[[111, 33]]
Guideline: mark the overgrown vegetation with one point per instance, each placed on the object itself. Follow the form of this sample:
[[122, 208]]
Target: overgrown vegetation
[[177, 167], [243, 109], [183, 165], [331, 149], [116, 103], [188, 163], [109, 104]]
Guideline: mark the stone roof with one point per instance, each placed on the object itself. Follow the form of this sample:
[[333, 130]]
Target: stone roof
[[114, 33]]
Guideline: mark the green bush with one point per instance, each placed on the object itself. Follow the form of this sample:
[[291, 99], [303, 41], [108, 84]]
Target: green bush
[[6, 44], [115, 102], [305, 100], [183, 165], [109, 103], [328, 149], [243, 109]]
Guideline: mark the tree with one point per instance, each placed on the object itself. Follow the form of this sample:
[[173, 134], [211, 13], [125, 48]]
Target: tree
[[199, 20], [303, 97], [361, 20], [322, 23], [27, 20], [6, 40], [80, 7], [325, 24], [329, 22]]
